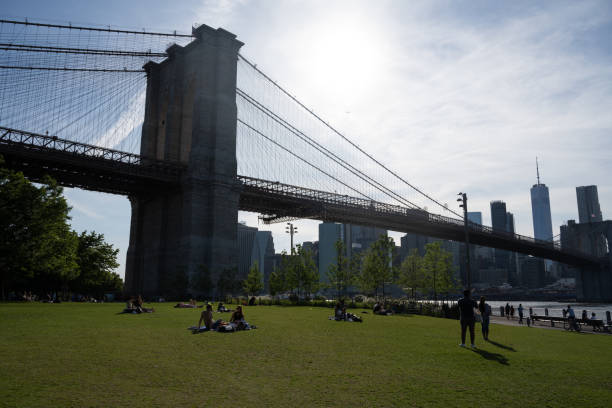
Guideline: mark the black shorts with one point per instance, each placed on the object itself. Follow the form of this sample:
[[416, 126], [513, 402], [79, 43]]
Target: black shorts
[[469, 321]]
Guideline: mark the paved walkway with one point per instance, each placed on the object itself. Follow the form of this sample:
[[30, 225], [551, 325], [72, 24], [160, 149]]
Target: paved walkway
[[539, 325]]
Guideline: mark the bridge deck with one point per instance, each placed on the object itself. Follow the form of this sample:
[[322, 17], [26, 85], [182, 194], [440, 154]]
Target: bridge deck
[[111, 171]]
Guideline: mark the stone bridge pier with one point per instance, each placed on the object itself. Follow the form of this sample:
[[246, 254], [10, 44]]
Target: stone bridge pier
[[183, 239], [593, 284]]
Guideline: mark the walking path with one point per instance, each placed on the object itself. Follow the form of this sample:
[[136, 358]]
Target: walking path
[[539, 325]]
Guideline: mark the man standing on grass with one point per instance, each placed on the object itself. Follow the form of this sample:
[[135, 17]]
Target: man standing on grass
[[466, 316]]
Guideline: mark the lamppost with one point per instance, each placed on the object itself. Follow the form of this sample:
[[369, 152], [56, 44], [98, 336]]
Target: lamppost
[[463, 204], [291, 230]]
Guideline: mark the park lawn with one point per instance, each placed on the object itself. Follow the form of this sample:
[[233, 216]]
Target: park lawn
[[82, 355]]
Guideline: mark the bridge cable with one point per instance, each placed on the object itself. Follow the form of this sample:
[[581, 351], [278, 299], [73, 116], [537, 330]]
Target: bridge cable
[[325, 151], [345, 138], [302, 159], [85, 28]]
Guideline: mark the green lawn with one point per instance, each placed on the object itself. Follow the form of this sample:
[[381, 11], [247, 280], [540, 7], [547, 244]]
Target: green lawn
[[81, 355]]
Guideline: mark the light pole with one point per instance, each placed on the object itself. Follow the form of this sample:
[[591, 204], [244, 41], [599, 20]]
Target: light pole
[[463, 199], [291, 230]]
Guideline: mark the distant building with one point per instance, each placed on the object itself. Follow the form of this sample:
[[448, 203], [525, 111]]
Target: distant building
[[413, 241], [246, 241], [475, 217], [540, 211], [255, 246], [499, 218], [263, 253], [358, 238], [499, 222], [329, 234], [588, 204], [510, 223], [533, 272]]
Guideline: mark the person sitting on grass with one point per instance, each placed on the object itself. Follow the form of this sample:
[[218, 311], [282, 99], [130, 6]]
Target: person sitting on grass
[[139, 308], [380, 310], [207, 318], [221, 308], [340, 311], [237, 320]]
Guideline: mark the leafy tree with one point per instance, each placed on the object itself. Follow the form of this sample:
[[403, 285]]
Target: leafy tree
[[37, 247], [438, 269], [411, 273], [97, 261], [341, 274], [300, 270], [377, 265], [276, 283], [253, 284]]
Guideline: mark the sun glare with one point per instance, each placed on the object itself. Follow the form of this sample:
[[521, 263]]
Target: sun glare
[[344, 56]]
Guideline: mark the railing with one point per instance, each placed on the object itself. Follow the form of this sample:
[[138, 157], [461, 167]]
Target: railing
[[379, 208], [37, 142]]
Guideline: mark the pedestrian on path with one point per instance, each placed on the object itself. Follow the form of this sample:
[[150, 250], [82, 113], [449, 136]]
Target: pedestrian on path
[[508, 311], [485, 313], [520, 312], [467, 319]]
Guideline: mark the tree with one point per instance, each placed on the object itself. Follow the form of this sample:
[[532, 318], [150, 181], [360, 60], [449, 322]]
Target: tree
[[276, 283], [438, 269], [300, 270], [411, 274], [377, 265], [253, 284], [97, 261], [342, 274], [37, 248]]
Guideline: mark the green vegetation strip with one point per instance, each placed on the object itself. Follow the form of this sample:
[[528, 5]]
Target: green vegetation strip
[[86, 355]]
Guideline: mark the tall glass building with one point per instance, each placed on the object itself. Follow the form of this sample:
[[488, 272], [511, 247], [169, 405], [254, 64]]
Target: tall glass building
[[588, 204], [540, 211]]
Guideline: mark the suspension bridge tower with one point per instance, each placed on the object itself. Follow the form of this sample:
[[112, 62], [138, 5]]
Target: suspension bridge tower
[[182, 240]]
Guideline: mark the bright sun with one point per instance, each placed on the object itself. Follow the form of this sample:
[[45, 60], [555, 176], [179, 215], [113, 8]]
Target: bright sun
[[344, 56]]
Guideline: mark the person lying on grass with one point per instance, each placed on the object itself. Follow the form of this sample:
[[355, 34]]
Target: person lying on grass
[[191, 305]]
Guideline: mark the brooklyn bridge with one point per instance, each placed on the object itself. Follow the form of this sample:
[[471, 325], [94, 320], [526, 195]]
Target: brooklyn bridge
[[192, 132]]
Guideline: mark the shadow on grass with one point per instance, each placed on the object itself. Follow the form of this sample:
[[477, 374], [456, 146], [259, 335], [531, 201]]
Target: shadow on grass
[[501, 359], [501, 345]]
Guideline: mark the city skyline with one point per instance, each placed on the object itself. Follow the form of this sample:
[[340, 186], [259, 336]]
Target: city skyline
[[458, 96]]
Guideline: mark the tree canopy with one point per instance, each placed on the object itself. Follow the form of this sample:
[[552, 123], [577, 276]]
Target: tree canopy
[[38, 250]]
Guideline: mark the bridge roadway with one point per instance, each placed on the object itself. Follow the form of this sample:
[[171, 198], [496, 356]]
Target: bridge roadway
[[99, 169]]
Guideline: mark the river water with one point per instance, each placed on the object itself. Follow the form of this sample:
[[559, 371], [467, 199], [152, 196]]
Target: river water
[[554, 308]]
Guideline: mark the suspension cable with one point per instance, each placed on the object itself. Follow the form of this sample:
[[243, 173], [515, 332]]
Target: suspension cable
[[335, 158], [345, 138]]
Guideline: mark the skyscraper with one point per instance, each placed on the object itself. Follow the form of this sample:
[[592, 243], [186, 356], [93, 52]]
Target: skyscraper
[[475, 217], [540, 210], [499, 219], [588, 204], [510, 222], [499, 222], [329, 234]]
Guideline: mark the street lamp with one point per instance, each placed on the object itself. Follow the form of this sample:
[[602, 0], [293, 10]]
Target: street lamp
[[291, 230], [463, 200]]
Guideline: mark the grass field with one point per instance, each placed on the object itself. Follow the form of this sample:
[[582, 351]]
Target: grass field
[[81, 355]]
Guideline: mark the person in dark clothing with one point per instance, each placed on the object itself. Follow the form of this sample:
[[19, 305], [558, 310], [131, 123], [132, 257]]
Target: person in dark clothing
[[466, 319], [507, 310], [485, 313]]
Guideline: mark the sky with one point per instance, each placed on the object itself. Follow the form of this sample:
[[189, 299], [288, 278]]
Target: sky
[[452, 95]]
